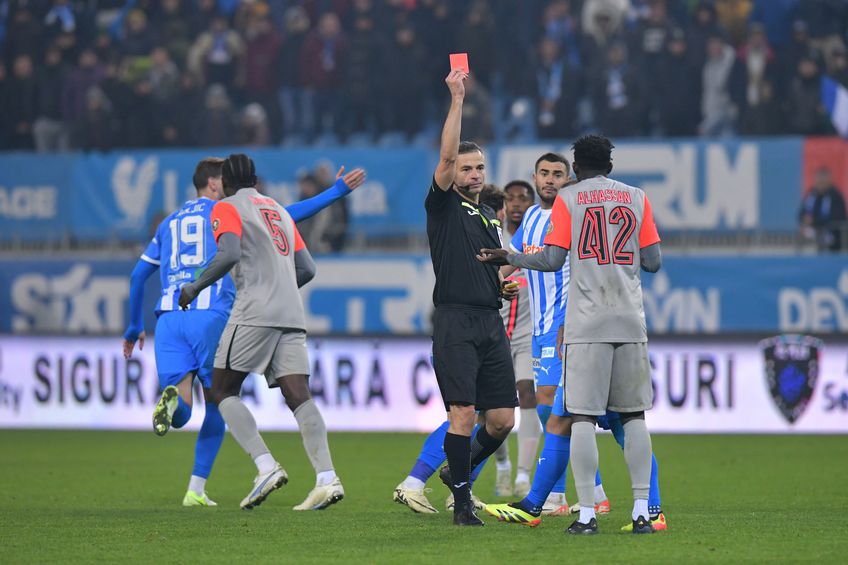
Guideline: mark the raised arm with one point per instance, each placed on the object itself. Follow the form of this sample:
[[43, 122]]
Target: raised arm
[[449, 149], [346, 184]]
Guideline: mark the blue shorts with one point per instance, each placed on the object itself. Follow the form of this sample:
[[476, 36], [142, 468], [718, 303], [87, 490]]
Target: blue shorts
[[559, 403], [185, 343], [547, 367], [604, 421]]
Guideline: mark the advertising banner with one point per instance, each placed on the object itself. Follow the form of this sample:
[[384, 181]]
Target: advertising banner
[[392, 295], [693, 185], [784, 384]]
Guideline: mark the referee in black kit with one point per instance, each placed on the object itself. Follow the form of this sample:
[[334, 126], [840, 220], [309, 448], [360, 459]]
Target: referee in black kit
[[470, 349]]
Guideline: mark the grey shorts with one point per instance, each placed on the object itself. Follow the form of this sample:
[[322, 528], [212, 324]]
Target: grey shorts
[[272, 352], [522, 360], [601, 376]]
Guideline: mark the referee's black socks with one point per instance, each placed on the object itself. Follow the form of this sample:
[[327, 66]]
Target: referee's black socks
[[482, 446], [457, 449]]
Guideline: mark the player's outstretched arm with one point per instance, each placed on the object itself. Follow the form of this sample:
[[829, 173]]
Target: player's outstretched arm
[[449, 149], [651, 258], [551, 258], [228, 254], [135, 331], [346, 184]]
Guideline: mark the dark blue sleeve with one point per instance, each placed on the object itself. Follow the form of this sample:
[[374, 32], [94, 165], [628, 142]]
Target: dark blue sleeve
[[140, 274], [307, 208]]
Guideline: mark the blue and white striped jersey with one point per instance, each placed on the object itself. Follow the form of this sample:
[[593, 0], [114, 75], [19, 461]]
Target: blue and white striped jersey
[[548, 291], [182, 248]]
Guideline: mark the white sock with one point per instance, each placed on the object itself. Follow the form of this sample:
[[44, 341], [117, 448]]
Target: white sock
[[197, 484], [522, 477], [325, 478], [586, 514], [413, 483], [265, 463], [640, 508], [600, 495], [503, 465]]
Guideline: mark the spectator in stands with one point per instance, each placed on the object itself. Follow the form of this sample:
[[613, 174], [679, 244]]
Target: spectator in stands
[[556, 94], [804, 108], [59, 19], [163, 76], [648, 47], [362, 76], [253, 128], [49, 131], [77, 82], [97, 129], [24, 35], [321, 72], [703, 26], [733, 17], [173, 24], [793, 51], [679, 89], [407, 87], [325, 231], [756, 102], [826, 21], [138, 40], [777, 18], [839, 66], [216, 57], [478, 37], [5, 118], [215, 124], [22, 103], [602, 24], [617, 96], [293, 104], [823, 215], [263, 48], [720, 71], [477, 112], [202, 16]]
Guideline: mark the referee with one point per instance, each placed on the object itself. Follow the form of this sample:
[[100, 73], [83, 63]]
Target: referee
[[470, 349]]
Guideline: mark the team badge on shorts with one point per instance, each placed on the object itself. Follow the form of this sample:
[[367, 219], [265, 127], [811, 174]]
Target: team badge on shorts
[[792, 369]]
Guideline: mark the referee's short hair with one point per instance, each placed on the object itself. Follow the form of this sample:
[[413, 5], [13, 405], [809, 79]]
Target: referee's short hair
[[468, 147], [593, 152], [238, 171]]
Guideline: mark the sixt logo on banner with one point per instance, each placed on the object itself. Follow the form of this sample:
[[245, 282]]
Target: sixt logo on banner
[[73, 301]]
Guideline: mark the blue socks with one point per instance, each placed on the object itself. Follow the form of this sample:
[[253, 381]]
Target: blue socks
[[544, 412], [181, 415], [432, 454], [208, 441], [549, 470]]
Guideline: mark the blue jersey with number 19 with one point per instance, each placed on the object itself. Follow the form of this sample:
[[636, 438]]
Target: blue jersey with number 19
[[548, 291], [182, 248]]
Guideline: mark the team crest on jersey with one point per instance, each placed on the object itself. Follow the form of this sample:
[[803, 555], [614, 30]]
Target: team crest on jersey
[[792, 369], [550, 228], [215, 223]]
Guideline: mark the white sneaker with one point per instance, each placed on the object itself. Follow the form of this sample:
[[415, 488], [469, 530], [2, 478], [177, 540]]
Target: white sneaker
[[415, 499], [191, 498], [323, 496], [503, 482], [556, 505], [521, 488], [263, 485], [476, 502]]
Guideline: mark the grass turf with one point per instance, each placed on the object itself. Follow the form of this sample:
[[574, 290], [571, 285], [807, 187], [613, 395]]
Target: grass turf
[[71, 496]]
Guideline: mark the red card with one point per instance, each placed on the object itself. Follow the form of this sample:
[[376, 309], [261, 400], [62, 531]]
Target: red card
[[459, 61]]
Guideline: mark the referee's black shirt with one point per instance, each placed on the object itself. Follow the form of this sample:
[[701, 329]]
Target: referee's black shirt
[[457, 229]]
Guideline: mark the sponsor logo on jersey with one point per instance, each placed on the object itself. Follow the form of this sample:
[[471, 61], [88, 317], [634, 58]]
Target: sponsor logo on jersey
[[792, 370], [548, 352]]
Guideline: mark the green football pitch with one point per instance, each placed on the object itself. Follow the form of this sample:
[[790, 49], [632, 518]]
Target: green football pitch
[[70, 496]]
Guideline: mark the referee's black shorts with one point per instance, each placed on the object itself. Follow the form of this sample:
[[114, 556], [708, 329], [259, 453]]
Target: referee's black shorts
[[472, 358]]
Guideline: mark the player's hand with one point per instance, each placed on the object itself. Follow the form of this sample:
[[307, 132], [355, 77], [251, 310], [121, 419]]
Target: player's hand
[[187, 296], [509, 290], [494, 256], [130, 345], [353, 179], [456, 83], [560, 338]]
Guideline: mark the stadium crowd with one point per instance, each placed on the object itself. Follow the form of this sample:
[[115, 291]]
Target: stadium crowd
[[100, 74]]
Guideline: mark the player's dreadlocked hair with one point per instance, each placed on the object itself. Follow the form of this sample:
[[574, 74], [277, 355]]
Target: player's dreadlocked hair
[[593, 152], [238, 172]]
